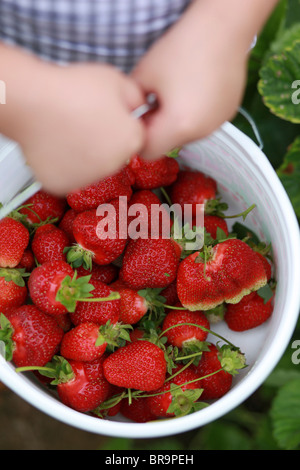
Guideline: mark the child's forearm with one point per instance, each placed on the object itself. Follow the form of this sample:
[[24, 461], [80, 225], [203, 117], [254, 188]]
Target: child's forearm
[[21, 75], [237, 21]]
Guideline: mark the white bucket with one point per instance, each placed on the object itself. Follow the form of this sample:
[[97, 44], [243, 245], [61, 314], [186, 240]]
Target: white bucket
[[245, 177]]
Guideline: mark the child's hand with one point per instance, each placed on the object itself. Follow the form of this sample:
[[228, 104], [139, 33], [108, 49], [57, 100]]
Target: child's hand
[[82, 129], [73, 123], [198, 72]]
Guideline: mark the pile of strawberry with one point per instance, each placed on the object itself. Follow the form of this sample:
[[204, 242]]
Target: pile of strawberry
[[122, 324]]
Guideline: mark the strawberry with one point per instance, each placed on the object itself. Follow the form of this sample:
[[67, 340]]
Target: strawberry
[[43, 206], [103, 191], [150, 263], [49, 243], [267, 264], [97, 312], [27, 261], [66, 224], [93, 243], [140, 365], [31, 336], [64, 321], [147, 216], [112, 405], [80, 385], [213, 222], [132, 305], [170, 294], [222, 363], [192, 187], [87, 341], [250, 312], [185, 336], [55, 289], [178, 395], [136, 334], [230, 271], [153, 174], [105, 273], [137, 411], [14, 239], [13, 291]]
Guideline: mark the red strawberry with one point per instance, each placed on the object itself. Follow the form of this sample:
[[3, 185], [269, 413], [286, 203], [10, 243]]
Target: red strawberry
[[101, 192], [97, 312], [54, 288], [136, 334], [79, 344], [140, 365], [43, 206], [32, 337], [112, 405], [80, 385], [192, 187], [113, 410], [64, 321], [150, 263], [106, 273], [170, 401], [147, 216], [185, 336], [87, 341], [94, 244], [213, 222], [170, 294], [132, 305], [218, 384], [267, 264], [153, 174], [249, 313], [231, 271], [14, 239], [137, 411], [44, 284], [13, 291], [66, 224], [27, 261], [49, 243]]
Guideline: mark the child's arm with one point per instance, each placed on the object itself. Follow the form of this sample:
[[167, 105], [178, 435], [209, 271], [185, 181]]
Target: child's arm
[[73, 123], [198, 70]]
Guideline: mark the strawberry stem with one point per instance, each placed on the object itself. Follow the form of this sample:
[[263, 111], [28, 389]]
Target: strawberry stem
[[202, 328], [112, 296], [241, 214], [31, 368], [180, 370], [166, 196]]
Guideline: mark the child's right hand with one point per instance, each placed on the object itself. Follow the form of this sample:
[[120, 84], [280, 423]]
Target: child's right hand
[[74, 123]]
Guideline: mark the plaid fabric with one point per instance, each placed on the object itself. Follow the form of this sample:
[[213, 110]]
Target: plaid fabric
[[113, 31]]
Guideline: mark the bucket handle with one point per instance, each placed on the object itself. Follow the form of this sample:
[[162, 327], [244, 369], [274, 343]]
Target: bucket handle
[[254, 127]]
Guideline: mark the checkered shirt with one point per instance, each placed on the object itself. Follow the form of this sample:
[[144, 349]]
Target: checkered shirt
[[118, 32]]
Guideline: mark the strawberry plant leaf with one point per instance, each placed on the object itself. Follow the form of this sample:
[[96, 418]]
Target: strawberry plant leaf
[[265, 292], [285, 415], [183, 402], [289, 174], [6, 332], [277, 77], [244, 233]]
